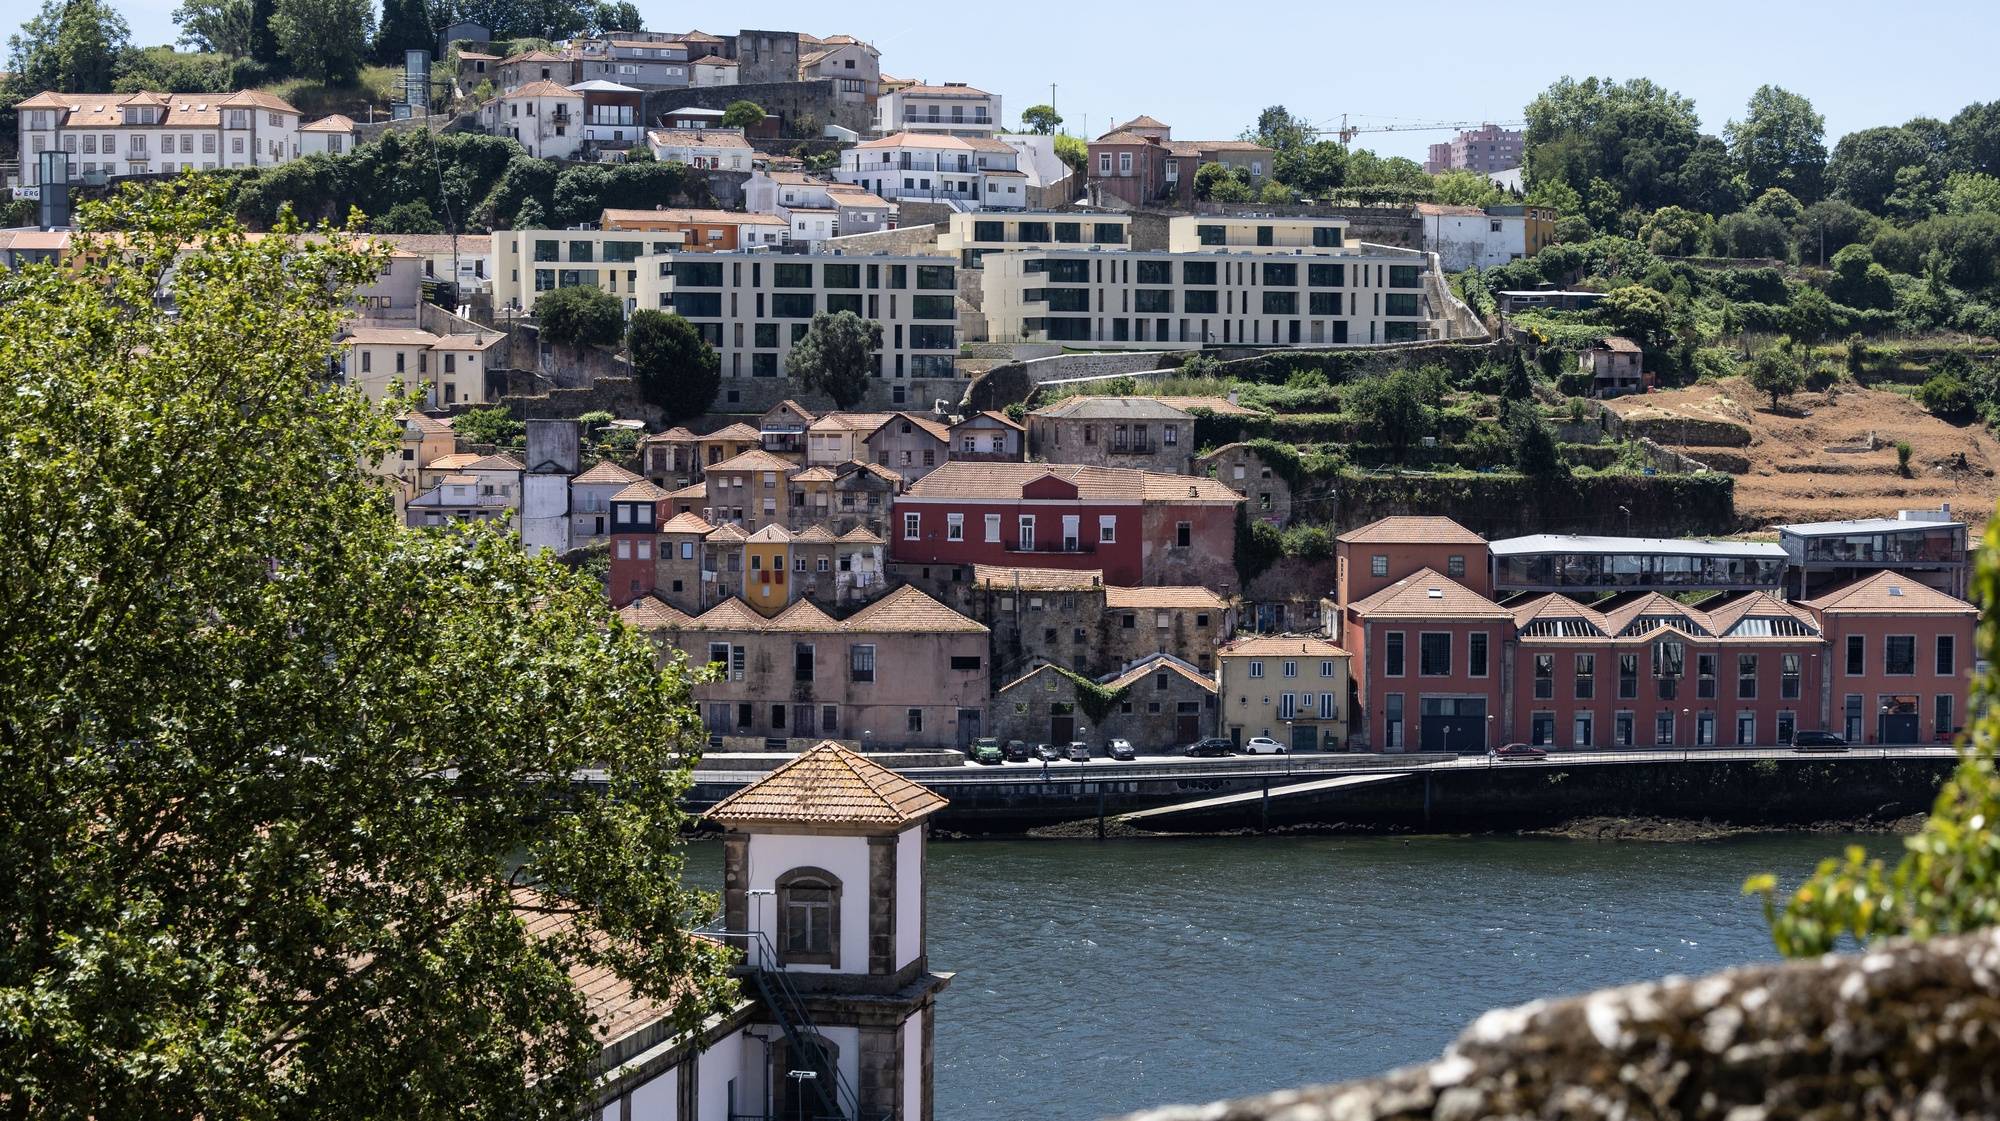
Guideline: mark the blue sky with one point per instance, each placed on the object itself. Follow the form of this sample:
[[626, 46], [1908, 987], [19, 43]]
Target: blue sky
[[1208, 68]]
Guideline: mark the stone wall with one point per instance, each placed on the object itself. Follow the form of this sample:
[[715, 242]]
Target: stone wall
[[754, 395], [1004, 385], [909, 241], [790, 101], [911, 212], [1904, 1030], [1146, 715], [1267, 497]]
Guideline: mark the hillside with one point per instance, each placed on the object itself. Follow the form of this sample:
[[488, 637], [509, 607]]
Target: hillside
[[1813, 461]]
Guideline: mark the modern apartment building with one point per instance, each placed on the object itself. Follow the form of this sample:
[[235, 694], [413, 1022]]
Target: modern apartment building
[[753, 306], [1256, 233], [951, 109], [145, 133], [967, 172], [527, 263], [1486, 149], [973, 234], [1223, 297]]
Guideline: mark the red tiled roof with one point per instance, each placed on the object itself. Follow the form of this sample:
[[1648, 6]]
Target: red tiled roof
[[1430, 595], [829, 785], [1406, 530], [1890, 593]]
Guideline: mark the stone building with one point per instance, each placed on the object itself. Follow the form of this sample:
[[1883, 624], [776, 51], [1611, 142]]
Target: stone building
[[988, 437], [1267, 495], [1158, 703], [1113, 432], [1186, 621], [1071, 618], [843, 496]]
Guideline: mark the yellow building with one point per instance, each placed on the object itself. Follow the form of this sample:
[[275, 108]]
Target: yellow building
[[1289, 687], [767, 562]]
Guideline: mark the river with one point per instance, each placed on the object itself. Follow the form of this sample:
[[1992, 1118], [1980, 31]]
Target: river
[[1097, 978]]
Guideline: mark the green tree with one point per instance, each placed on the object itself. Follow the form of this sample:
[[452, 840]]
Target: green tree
[[1674, 231], [406, 25], [1465, 188], [1074, 154], [1635, 136], [1315, 169], [411, 217], [1279, 131], [678, 370], [1397, 407], [1207, 177], [72, 46], [1042, 119], [216, 25], [1947, 396], [1536, 453], [836, 356], [742, 114], [263, 38], [1866, 164], [1811, 316], [1974, 139], [283, 779], [1274, 192], [1778, 371], [324, 40], [580, 315], [494, 426], [616, 15], [1971, 192], [1640, 314], [1780, 142], [1859, 282], [1518, 386]]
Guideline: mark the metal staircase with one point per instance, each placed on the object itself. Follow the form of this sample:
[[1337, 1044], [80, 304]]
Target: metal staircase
[[834, 1102]]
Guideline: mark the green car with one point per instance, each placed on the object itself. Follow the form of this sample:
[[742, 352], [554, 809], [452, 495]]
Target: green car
[[986, 752]]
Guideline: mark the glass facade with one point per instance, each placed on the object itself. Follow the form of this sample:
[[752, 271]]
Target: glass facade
[[1612, 571]]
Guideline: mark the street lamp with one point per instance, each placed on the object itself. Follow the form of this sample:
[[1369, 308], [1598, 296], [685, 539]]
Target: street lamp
[[1684, 720], [865, 734]]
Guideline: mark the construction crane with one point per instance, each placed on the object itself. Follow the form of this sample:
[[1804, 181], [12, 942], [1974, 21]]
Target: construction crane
[[1347, 132]]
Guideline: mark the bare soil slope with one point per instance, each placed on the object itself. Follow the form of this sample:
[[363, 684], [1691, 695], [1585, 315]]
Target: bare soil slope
[[1813, 461]]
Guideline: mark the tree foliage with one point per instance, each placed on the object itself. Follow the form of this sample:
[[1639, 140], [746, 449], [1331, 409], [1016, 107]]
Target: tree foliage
[[836, 356], [281, 775], [678, 370], [325, 40], [1041, 119], [1634, 136], [580, 315], [70, 45], [1779, 371], [1780, 142], [406, 25], [742, 114], [222, 26], [1398, 407], [493, 425]]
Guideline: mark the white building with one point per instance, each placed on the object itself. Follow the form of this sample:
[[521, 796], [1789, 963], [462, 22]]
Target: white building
[[815, 209], [646, 63], [1466, 236], [714, 71], [554, 452], [527, 263], [466, 257], [114, 134], [823, 886], [720, 149], [610, 112], [547, 119], [854, 67], [332, 136], [952, 109], [447, 369], [1221, 297], [967, 173], [1035, 155]]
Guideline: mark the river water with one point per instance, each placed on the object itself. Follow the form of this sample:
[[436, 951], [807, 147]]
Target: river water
[[1096, 978]]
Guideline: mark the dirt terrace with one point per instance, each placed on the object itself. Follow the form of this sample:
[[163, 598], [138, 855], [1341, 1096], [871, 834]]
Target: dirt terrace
[[1811, 461]]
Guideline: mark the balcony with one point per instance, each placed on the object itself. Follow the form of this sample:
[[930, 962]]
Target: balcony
[[1053, 548]]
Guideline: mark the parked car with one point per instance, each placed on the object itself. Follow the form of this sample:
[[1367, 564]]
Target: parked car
[[1079, 751], [986, 752], [1519, 751], [1214, 747], [1047, 753], [1818, 741], [1016, 751], [1263, 745], [1123, 749]]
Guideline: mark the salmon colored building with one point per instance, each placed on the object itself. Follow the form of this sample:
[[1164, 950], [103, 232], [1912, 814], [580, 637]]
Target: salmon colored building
[[1428, 665], [1378, 554], [1902, 658], [636, 514]]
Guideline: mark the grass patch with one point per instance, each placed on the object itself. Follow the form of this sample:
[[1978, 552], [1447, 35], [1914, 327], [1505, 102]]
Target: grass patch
[[376, 86]]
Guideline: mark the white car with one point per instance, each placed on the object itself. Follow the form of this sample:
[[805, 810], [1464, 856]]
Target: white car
[[1264, 745]]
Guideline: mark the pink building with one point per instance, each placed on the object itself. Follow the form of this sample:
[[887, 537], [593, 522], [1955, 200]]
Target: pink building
[[1427, 657], [1902, 658], [1378, 554]]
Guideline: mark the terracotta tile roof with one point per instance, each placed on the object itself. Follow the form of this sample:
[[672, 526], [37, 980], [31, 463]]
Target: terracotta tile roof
[[467, 341], [1405, 530], [849, 422], [1220, 406], [933, 429], [675, 435], [616, 1008], [454, 461], [689, 522], [426, 424], [1619, 344], [1193, 596], [698, 491], [815, 534], [1036, 579], [1890, 593], [1141, 121], [1446, 211], [332, 123], [989, 414], [881, 472], [829, 785], [499, 461], [715, 60], [1428, 594], [860, 535], [907, 609], [728, 532], [773, 534], [535, 56], [542, 88], [1229, 146], [788, 405], [389, 336], [736, 431], [652, 614], [1119, 136], [817, 473], [1157, 663], [966, 479], [754, 460], [946, 91], [804, 616], [1277, 645], [936, 141], [641, 491], [1085, 407], [606, 472], [1556, 606], [696, 138]]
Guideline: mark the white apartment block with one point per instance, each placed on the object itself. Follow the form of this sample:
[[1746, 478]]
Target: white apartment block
[[968, 173], [971, 235], [1167, 300], [1255, 234], [527, 263], [952, 109], [114, 134], [814, 209], [753, 306], [547, 119]]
